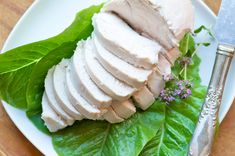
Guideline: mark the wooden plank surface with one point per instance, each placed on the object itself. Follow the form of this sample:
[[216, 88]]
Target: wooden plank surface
[[13, 143]]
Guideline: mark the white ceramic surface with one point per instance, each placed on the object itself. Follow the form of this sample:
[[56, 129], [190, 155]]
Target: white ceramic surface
[[48, 18]]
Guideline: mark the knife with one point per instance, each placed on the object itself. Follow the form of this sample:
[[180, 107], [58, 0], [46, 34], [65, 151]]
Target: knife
[[203, 136]]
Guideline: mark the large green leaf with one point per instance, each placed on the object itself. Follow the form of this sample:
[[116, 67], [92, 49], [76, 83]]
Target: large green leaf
[[39, 123], [19, 66], [175, 133], [29, 54], [180, 119], [13, 87], [35, 87], [94, 138]]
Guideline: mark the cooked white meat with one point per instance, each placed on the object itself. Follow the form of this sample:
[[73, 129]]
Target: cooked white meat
[[85, 108], [116, 36], [146, 18], [164, 66], [112, 117], [144, 98], [172, 55], [59, 81], [83, 83], [124, 109], [136, 77], [103, 79], [156, 83], [179, 14], [52, 121], [49, 90], [123, 65]]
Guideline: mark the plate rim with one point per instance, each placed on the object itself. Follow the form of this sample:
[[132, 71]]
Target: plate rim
[[27, 12]]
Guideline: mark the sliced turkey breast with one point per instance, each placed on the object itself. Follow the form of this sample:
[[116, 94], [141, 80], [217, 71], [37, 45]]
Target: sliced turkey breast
[[180, 15], [103, 79], [116, 36], [85, 108], [49, 90], [124, 109], [83, 83], [59, 81], [136, 77], [144, 98], [52, 121], [172, 55], [156, 83], [164, 66], [146, 18], [112, 117]]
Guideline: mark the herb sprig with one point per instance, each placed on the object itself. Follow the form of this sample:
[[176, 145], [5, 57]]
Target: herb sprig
[[179, 86]]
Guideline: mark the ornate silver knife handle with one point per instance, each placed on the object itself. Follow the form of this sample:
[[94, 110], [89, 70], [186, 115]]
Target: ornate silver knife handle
[[203, 137]]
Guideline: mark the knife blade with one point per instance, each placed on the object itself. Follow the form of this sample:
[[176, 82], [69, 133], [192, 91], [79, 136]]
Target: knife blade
[[224, 29]]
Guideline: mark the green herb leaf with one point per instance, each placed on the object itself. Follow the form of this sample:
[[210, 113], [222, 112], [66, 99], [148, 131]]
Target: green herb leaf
[[201, 28], [187, 44], [205, 44]]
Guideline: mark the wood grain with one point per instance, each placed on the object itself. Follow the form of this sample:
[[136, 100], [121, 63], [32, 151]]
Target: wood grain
[[13, 143]]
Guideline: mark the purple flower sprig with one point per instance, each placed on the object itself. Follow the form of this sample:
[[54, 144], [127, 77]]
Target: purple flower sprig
[[167, 95], [182, 90]]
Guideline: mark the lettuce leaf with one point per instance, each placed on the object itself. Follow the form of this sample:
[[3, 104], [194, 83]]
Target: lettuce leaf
[[98, 138], [19, 66], [180, 119], [35, 86], [175, 133]]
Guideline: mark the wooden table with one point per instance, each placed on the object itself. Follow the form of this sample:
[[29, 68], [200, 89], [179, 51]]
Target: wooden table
[[13, 143]]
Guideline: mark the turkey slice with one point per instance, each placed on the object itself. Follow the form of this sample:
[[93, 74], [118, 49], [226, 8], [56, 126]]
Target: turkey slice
[[107, 82], [112, 117], [59, 81], [146, 18], [124, 109], [144, 98], [88, 110], [52, 121], [116, 36], [136, 77], [49, 90], [85, 86]]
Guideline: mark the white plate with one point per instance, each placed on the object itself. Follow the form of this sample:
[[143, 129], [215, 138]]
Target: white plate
[[48, 18]]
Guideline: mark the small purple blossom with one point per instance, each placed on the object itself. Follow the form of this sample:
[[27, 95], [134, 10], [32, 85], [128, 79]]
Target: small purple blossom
[[168, 77], [177, 92], [166, 95], [185, 88], [181, 90], [189, 91]]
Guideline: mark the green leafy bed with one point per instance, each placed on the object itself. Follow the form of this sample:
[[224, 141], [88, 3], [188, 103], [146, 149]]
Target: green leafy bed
[[161, 130]]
